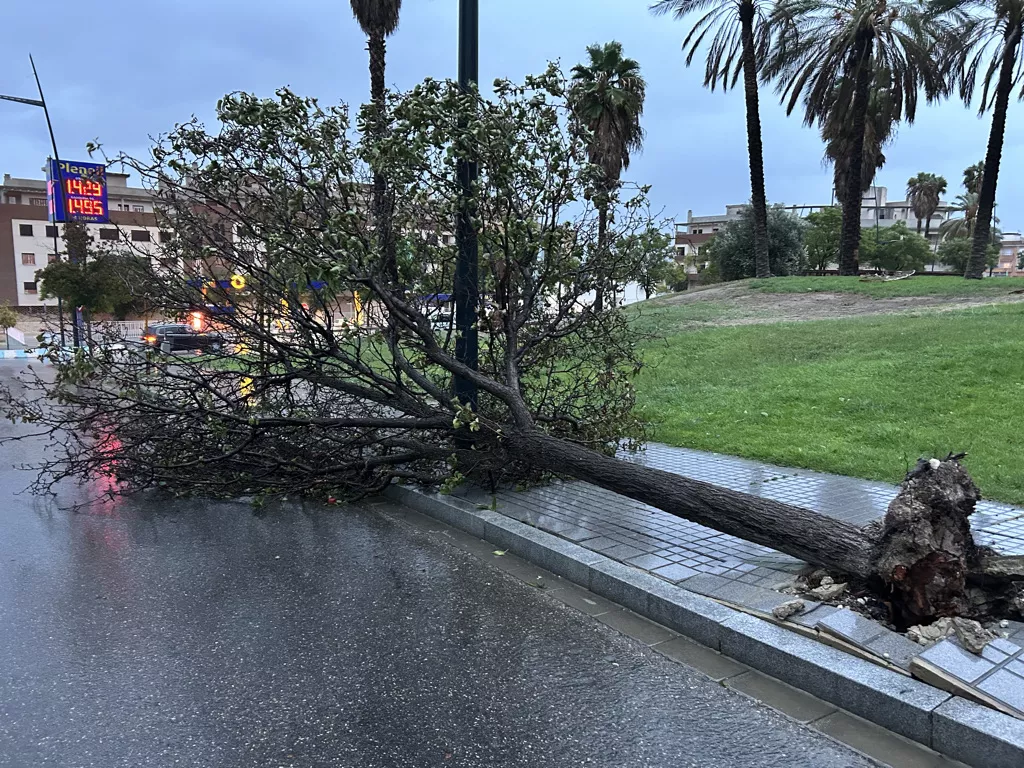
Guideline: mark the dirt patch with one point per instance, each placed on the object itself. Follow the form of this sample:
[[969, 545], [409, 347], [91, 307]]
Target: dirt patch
[[735, 304]]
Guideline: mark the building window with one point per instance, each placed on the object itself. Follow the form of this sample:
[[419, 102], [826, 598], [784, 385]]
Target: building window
[[25, 230], [51, 257], [37, 200], [28, 259], [29, 287], [51, 230], [108, 234], [14, 199], [139, 208], [140, 235], [166, 237]]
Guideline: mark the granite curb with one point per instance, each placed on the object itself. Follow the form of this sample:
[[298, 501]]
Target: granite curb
[[963, 730]]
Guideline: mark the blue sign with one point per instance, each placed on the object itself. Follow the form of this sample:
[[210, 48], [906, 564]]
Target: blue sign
[[77, 191]]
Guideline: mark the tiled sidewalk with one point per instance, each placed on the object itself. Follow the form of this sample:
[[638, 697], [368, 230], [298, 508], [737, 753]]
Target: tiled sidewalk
[[678, 550]]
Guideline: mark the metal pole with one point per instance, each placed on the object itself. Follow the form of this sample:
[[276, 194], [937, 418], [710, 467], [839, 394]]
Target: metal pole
[[59, 200], [466, 287]]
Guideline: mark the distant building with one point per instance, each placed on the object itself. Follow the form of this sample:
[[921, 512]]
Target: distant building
[[1011, 251], [27, 239], [876, 208]]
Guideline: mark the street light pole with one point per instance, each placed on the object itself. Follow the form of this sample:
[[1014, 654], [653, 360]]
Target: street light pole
[[466, 288], [41, 102]]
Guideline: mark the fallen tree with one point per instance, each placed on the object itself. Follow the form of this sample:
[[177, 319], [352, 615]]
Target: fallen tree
[[333, 378]]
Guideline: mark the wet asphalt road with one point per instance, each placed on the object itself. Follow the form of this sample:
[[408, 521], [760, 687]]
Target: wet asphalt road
[[164, 633]]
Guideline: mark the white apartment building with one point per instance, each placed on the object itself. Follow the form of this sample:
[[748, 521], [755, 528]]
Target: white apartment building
[[27, 238]]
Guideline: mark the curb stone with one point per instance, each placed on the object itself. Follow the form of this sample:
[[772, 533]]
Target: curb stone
[[963, 730]]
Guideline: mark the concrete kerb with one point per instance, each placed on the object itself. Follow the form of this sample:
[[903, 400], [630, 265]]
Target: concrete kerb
[[965, 731]]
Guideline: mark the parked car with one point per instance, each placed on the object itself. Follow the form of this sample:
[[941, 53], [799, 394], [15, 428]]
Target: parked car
[[175, 337]]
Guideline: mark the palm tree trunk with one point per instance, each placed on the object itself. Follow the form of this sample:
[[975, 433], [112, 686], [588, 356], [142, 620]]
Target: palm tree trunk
[[849, 242], [602, 234], [762, 265], [987, 198], [928, 226], [918, 225], [382, 209]]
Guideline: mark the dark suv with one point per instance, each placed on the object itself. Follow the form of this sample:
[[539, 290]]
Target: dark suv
[[174, 337]]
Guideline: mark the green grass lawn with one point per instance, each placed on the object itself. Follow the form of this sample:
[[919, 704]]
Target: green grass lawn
[[863, 397], [919, 285]]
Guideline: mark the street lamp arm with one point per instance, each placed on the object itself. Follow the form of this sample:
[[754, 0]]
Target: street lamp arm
[[30, 102]]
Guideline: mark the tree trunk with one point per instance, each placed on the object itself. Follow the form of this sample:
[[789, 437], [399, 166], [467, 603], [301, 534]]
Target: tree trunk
[[918, 224], [801, 533], [382, 209], [849, 243], [987, 198], [602, 235], [921, 556], [762, 265]]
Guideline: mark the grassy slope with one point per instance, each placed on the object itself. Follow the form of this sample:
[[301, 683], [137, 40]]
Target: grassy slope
[[863, 397], [954, 287]]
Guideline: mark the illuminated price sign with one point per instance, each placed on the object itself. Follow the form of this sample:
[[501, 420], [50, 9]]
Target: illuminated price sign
[[77, 191]]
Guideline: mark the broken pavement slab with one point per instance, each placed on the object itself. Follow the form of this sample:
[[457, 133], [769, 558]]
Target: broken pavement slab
[[868, 639], [995, 677]]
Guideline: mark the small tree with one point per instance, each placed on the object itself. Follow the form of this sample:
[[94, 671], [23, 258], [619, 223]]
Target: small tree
[[652, 252], [955, 253], [111, 282], [8, 319], [731, 252], [895, 248], [821, 239]]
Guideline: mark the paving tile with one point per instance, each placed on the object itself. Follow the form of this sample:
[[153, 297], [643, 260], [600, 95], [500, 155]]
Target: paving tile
[[955, 661], [713, 664], [798, 705], [1005, 686], [622, 552], [600, 543], [879, 743], [851, 627], [674, 572], [637, 627], [648, 562]]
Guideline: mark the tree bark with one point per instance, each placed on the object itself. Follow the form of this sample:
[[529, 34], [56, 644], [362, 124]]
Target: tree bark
[[602, 236], [849, 243], [987, 198], [758, 201], [382, 209]]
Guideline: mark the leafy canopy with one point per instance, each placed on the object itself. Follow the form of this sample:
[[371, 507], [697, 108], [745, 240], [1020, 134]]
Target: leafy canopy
[[821, 238], [731, 251], [895, 248], [312, 397]]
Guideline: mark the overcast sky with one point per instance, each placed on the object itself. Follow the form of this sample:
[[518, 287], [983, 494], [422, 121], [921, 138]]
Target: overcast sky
[[122, 71]]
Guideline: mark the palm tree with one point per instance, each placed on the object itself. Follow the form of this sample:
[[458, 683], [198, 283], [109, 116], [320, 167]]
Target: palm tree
[[923, 193], [828, 55], [964, 224], [734, 49], [878, 131], [972, 177], [607, 99], [378, 19], [988, 37]]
